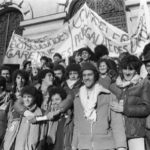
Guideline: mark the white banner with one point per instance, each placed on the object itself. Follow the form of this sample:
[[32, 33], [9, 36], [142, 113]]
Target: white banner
[[86, 28], [142, 34], [21, 48]]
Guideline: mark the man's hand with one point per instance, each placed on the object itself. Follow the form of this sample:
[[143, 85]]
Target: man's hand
[[117, 107], [33, 120], [121, 148], [29, 115], [73, 148], [52, 114]]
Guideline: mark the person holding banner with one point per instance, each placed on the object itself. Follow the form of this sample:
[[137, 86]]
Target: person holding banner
[[134, 103]]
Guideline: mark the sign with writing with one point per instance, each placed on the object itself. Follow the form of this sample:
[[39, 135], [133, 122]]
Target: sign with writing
[[142, 34], [86, 28], [21, 48]]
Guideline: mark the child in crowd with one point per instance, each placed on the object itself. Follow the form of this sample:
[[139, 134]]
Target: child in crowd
[[20, 133], [74, 80]]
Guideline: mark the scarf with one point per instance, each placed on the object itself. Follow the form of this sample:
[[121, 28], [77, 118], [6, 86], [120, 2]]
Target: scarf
[[89, 101], [122, 83], [71, 83]]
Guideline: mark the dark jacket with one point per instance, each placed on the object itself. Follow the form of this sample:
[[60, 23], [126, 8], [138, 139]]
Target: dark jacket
[[75, 88], [136, 107], [105, 82]]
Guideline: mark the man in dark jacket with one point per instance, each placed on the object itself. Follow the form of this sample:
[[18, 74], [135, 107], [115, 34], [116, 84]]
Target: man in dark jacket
[[146, 61]]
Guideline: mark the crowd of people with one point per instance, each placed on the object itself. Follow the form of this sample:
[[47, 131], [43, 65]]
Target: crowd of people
[[94, 103]]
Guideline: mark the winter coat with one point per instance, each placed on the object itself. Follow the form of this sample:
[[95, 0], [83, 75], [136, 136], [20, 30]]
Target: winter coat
[[105, 82], [136, 107], [75, 88], [5, 101], [22, 135], [106, 133], [60, 132], [147, 139], [64, 105]]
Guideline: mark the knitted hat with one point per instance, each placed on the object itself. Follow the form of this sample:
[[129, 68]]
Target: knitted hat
[[73, 67], [88, 66], [31, 90]]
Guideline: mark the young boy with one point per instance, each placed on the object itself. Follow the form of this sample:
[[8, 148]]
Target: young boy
[[21, 134]]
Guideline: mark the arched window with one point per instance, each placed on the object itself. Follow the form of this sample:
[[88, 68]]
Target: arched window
[[10, 19], [113, 11]]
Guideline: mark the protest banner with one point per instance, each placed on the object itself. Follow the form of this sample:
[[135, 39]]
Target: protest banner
[[21, 48], [86, 28], [142, 34]]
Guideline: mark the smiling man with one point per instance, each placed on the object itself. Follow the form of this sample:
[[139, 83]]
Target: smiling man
[[94, 127]]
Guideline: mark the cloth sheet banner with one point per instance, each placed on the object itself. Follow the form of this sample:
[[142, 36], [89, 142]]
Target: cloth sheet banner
[[89, 29], [142, 34], [21, 48], [86, 28]]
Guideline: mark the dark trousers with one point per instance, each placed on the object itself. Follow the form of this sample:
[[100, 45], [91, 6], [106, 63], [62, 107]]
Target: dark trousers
[[147, 139]]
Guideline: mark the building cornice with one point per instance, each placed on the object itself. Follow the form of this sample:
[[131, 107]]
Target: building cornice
[[44, 19], [133, 3]]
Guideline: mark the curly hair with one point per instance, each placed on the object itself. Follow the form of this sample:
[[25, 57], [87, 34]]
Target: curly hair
[[59, 67], [103, 60], [5, 68], [131, 62], [21, 73], [57, 90], [73, 67], [31, 90], [43, 73], [44, 58], [100, 51], [57, 55]]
